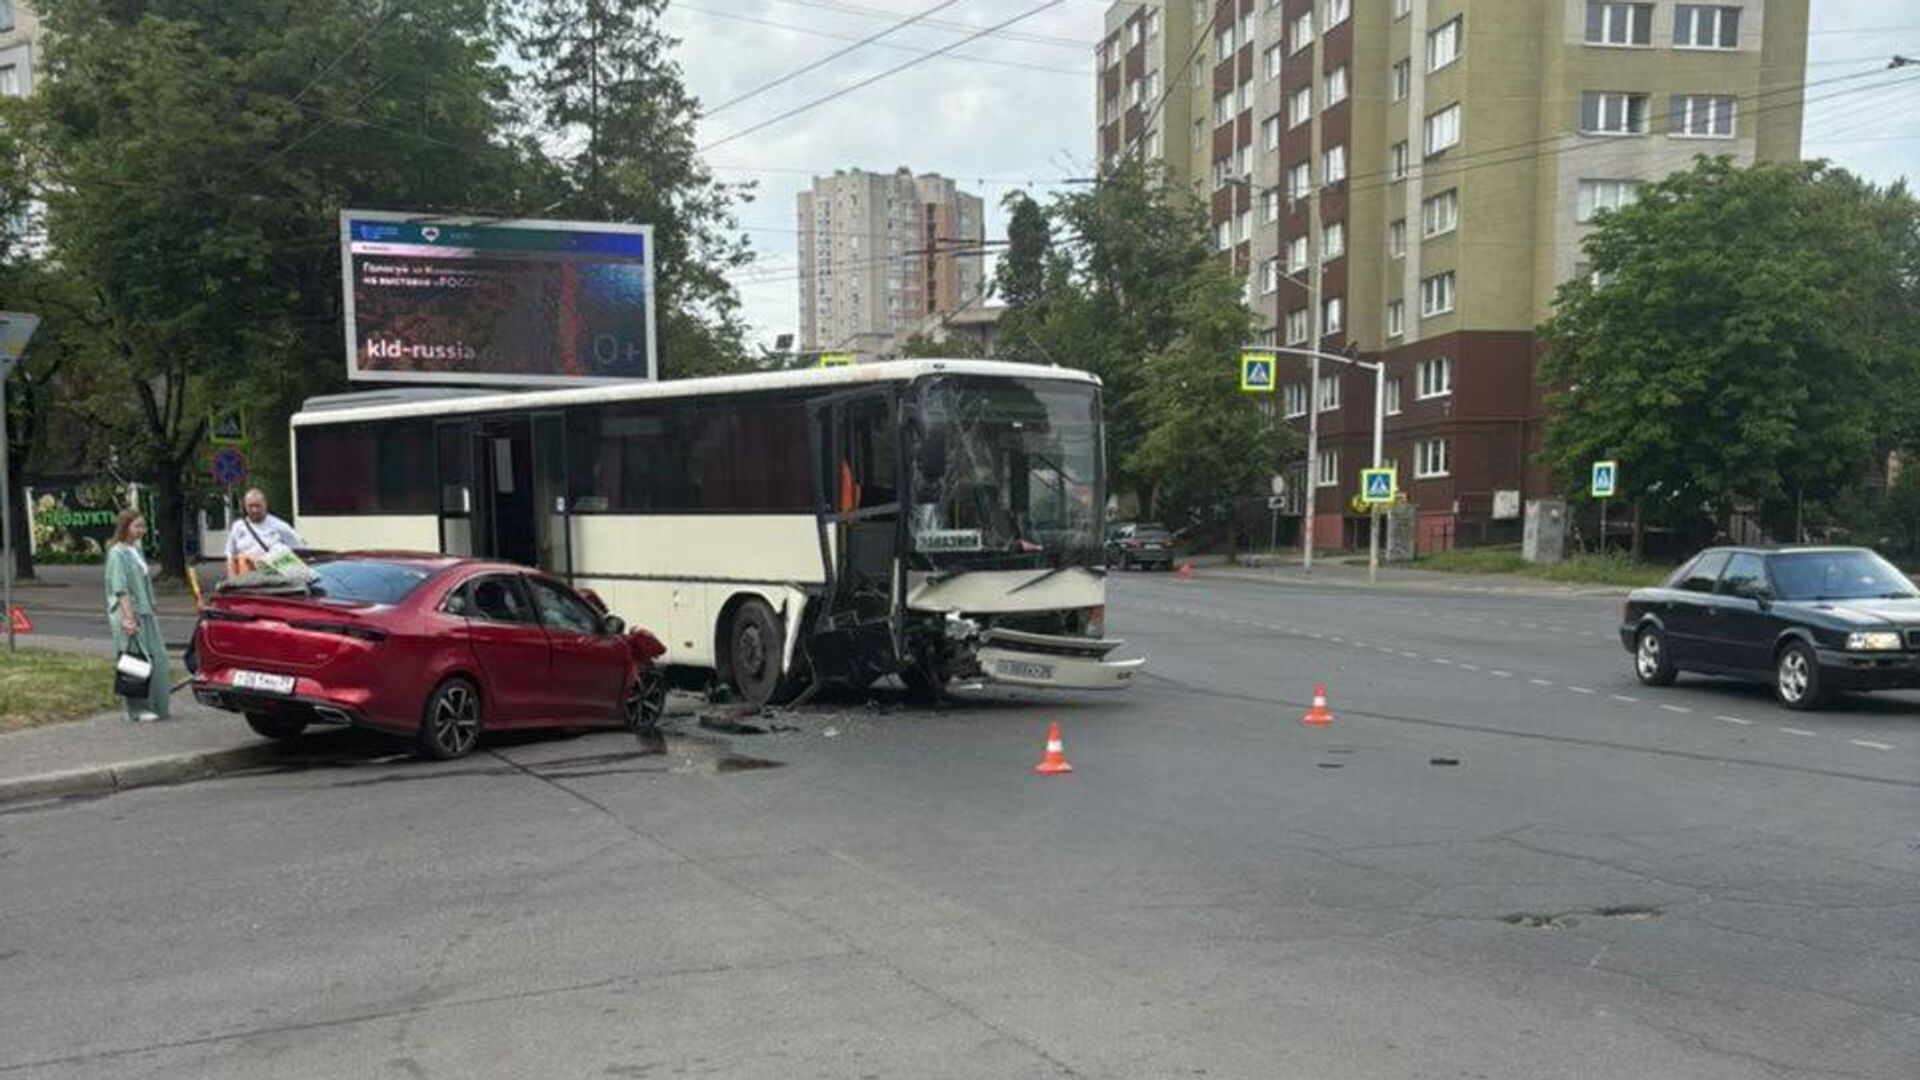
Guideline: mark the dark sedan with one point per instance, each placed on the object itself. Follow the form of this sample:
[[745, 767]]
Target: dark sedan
[[1811, 621], [1134, 545]]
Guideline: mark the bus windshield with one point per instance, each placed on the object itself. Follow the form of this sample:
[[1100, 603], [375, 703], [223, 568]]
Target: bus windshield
[[1005, 472]]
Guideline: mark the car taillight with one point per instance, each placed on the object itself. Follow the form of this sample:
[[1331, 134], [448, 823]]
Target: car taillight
[[352, 630]]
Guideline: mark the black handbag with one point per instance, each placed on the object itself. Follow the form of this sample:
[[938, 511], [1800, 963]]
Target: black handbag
[[132, 673]]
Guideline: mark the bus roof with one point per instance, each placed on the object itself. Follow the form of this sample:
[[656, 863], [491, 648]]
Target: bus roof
[[392, 405]]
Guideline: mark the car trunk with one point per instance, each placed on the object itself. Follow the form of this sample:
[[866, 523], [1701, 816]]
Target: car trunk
[[284, 634]]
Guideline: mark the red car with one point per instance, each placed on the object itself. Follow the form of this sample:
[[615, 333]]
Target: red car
[[429, 646]]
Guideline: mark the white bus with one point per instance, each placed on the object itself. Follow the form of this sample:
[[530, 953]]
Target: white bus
[[931, 519]]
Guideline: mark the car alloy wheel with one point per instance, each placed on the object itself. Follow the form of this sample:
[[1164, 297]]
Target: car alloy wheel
[[1650, 662], [1797, 678], [451, 727], [646, 701]]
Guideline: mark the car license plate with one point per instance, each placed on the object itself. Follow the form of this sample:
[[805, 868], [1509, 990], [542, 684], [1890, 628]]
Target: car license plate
[[260, 680], [1020, 669]]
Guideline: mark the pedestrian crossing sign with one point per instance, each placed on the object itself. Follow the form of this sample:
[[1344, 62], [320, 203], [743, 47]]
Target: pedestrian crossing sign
[[1378, 486], [1256, 373], [1606, 477]]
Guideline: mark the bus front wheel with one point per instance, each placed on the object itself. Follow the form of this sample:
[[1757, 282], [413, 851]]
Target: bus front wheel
[[756, 643]]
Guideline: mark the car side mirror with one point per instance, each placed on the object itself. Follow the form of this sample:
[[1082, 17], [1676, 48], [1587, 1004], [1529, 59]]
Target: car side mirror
[[613, 624]]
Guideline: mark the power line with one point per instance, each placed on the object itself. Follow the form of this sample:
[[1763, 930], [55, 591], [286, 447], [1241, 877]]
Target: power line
[[870, 80], [829, 58], [1081, 73], [1052, 40]]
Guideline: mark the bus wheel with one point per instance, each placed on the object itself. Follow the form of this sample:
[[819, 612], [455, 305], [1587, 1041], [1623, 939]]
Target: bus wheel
[[756, 642], [923, 682]]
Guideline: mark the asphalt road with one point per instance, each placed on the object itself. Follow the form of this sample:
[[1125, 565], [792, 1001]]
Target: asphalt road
[[1504, 859]]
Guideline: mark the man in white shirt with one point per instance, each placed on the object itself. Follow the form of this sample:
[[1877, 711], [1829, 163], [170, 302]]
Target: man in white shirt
[[251, 537]]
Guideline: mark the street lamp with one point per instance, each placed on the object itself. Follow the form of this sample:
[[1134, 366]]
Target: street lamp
[[1379, 369]]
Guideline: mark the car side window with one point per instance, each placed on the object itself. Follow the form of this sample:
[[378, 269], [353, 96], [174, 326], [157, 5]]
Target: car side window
[[495, 598], [1704, 572], [1746, 575], [561, 610]]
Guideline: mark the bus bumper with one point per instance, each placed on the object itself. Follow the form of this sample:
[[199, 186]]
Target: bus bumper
[[1021, 659]]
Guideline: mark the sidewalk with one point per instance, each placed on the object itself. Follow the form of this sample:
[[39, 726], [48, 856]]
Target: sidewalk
[[1335, 571], [78, 590], [105, 753]]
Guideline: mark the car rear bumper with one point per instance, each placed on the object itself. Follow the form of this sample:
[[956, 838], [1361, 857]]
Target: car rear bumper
[[1868, 671], [309, 709]]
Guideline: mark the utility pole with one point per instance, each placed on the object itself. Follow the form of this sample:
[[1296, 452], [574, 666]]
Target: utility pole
[[1313, 376]]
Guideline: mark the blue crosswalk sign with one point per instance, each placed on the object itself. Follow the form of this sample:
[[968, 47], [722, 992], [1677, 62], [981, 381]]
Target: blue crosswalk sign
[[1606, 477], [1256, 373], [1377, 485]]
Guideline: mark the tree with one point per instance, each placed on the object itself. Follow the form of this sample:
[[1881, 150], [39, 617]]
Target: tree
[[1736, 348], [951, 346], [1021, 277], [1207, 444], [605, 75]]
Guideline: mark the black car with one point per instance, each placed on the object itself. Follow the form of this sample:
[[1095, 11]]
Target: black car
[[1811, 621], [1134, 545]]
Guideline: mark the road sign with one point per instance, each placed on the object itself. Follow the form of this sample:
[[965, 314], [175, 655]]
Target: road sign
[[836, 359], [1256, 373], [229, 468], [1606, 478], [227, 427], [1378, 486], [1276, 502], [16, 328]]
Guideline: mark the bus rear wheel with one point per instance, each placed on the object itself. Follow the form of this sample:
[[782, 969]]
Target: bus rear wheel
[[756, 644]]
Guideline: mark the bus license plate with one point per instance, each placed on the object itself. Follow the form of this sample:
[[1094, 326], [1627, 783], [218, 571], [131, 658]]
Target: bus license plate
[[260, 680], [1020, 669]]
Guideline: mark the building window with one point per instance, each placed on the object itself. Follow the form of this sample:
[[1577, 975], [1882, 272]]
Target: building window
[[6, 16], [1436, 295], [1296, 393], [1334, 169], [1706, 26], [1153, 22], [1244, 160], [1329, 392], [1246, 96], [1431, 458], [1300, 107], [1300, 180], [1393, 385], [1136, 33], [1443, 44], [1338, 11], [1397, 239], [1223, 109], [1270, 276], [1223, 235], [1402, 8], [1296, 254], [1222, 172], [1333, 241], [1155, 148], [1397, 158], [1401, 83], [1136, 92], [1598, 195], [1441, 213], [1302, 35], [1202, 11], [1199, 133], [1273, 62], [1245, 226], [1336, 86], [1701, 116], [1436, 378], [1153, 86], [1443, 129], [1333, 319], [1619, 24], [1396, 326], [1297, 326], [1270, 205], [1327, 469], [1609, 113], [1270, 132], [10, 85]]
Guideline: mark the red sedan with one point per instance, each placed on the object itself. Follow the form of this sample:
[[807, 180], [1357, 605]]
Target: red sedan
[[428, 646]]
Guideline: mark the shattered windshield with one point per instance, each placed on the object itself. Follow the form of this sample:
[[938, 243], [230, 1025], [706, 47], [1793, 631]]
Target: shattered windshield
[[1006, 471]]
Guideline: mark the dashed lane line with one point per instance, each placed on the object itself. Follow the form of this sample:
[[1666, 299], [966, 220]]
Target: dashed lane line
[[1676, 708], [1579, 690], [1802, 732], [1870, 744], [1734, 720], [1541, 682], [1625, 698]]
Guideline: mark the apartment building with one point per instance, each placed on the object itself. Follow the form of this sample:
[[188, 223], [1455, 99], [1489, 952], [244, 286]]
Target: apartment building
[[19, 30], [1436, 165], [879, 253]]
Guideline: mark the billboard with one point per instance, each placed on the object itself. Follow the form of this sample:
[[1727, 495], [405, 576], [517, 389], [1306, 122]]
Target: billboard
[[522, 303]]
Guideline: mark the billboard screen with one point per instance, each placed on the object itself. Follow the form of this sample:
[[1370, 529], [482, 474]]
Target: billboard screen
[[525, 303]]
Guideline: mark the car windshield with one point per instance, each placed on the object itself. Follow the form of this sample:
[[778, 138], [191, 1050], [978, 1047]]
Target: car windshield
[[1006, 472], [1837, 575], [366, 581]]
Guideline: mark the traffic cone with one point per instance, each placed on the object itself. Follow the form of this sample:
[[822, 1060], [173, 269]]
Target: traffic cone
[[1319, 715], [1185, 573], [1055, 760], [21, 624]]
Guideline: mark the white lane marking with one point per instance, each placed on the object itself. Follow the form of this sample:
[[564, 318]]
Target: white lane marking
[[1676, 708], [1625, 698], [1443, 660], [1870, 744], [1579, 689], [1541, 682], [1337, 640], [1498, 674], [1802, 732], [1411, 655], [1464, 666], [1734, 720]]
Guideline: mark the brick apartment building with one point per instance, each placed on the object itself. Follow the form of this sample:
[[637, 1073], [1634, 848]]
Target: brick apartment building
[[1457, 151]]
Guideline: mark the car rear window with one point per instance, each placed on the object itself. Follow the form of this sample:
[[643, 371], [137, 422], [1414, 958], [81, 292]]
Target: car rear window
[[1151, 532], [367, 581]]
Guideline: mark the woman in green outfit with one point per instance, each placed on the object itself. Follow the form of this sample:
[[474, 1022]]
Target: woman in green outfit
[[130, 611]]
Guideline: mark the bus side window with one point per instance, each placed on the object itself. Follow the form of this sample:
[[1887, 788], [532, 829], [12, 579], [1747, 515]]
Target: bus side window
[[870, 455]]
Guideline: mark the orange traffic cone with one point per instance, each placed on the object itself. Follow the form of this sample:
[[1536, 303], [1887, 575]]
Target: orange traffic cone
[[1185, 572], [21, 624], [1319, 715], [1055, 760]]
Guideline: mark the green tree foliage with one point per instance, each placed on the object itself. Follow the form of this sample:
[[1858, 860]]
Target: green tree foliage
[[1741, 346], [1207, 444], [954, 346], [1021, 277], [606, 77]]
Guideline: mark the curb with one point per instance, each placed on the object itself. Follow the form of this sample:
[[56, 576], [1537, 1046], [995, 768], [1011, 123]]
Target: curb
[[1541, 592], [147, 772]]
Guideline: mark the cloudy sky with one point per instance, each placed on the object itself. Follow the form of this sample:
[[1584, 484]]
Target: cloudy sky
[[1014, 109]]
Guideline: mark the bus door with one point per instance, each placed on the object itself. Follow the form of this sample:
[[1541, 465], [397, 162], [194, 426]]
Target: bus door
[[487, 507], [553, 529], [858, 470], [462, 515]]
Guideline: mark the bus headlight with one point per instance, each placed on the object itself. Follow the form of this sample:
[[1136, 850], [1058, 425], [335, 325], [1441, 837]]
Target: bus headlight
[[1097, 621], [1873, 641]]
